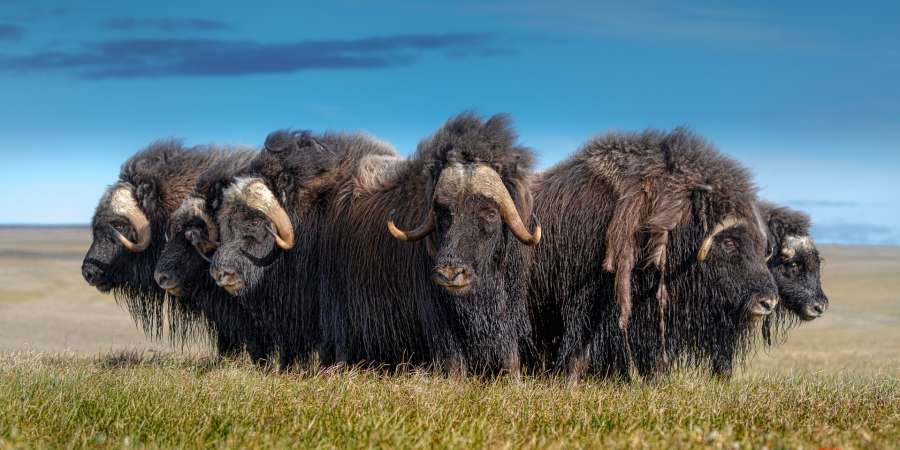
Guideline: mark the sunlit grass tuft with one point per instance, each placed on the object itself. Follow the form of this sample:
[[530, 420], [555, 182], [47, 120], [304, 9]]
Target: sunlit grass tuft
[[132, 398]]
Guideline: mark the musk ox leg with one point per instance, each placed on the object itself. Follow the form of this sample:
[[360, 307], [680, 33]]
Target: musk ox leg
[[335, 328], [287, 359], [227, 346], [454, 367], [513, 365], [723, 365], [577, 364], [258, 351]]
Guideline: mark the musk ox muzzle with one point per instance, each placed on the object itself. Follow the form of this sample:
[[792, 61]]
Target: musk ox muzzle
[[456, 279], [762, 305]]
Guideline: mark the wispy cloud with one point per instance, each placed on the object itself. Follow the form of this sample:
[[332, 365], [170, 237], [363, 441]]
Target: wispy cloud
[[157, 58], [10, 32], [643, 20], [134, 23]]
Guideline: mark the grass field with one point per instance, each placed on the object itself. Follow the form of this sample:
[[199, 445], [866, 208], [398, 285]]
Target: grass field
[[74, 372]]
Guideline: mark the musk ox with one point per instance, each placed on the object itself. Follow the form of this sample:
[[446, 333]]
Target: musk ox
[[444, 300], [472, 223], [183, 267], [269, 223], [796, 265], [128, 230], [654, 255]]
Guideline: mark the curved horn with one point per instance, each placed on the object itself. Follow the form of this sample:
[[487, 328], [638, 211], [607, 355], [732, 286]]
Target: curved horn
[[511, 217], [488, 182], [258, 196], [706, 246], [124, 204], [424, 229]]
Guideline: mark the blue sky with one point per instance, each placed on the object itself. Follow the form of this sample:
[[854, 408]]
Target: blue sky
[[805, 94]]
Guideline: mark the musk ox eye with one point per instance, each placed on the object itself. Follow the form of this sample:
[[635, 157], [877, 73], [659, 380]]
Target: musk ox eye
[[730, 245], [490, 215]]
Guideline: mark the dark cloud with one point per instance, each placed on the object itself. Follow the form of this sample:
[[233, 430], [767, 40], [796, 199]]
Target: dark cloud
[[157, 58], [133, 23], [10, 32], [855, 233]]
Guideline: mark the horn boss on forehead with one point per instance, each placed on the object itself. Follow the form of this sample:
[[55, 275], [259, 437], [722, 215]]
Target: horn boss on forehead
[[123, 203], [256, 195], [479, 179], [487, 182], [794, 243]]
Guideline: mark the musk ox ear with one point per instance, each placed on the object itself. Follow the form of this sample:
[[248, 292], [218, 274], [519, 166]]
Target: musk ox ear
[[698, 204], [280, 141]]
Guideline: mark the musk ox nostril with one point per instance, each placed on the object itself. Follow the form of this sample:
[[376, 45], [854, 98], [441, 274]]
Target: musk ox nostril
[[163, 280], [449, 273], [819, 308], [453, 277], [91, 273], [763, 306], [224, 276]]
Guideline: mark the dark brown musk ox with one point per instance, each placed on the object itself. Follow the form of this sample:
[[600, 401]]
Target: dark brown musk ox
[[654, 256], [269, 218], [472, 221], [378, 302], [183, 266], [128, 230], [796, 265]]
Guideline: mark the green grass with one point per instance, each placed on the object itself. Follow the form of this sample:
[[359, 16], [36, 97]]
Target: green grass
[[127, 400]]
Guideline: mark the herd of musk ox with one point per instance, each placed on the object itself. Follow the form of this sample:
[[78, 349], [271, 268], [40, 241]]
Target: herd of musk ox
[[639, 254]]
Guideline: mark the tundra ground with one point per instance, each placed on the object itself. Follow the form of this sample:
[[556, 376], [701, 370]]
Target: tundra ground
[[74, 372]]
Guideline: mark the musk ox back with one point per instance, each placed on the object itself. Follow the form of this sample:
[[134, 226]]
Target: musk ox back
[[128, 230], [183, 267], [654, 255]]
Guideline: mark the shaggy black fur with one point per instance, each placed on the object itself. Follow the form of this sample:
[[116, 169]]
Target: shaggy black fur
[[280, 288], [796, 268], [159, 177], [375, 298], [484, 329], [617, 281], [184, 271]]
